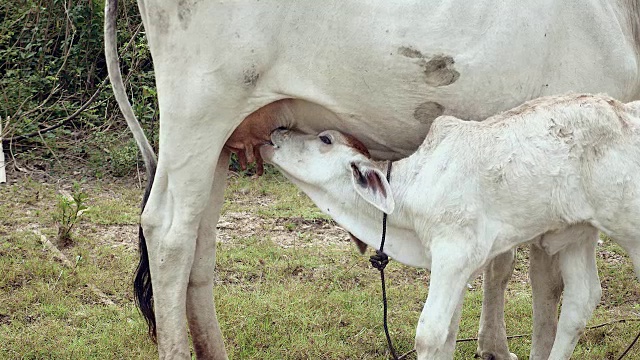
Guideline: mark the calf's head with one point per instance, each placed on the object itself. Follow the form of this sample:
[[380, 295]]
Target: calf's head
[[329, 167]]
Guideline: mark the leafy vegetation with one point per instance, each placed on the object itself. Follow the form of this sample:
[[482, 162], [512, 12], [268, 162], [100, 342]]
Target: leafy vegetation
[[69, 211], [51, 64]]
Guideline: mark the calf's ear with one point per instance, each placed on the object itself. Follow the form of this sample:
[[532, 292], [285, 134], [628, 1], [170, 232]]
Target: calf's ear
[[371, 184]]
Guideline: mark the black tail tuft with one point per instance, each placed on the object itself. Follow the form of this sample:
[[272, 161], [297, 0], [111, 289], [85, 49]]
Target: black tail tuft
[[143, 288], [142, 281]]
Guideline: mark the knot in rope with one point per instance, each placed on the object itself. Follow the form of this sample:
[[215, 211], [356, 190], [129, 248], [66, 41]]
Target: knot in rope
[[379, 260]]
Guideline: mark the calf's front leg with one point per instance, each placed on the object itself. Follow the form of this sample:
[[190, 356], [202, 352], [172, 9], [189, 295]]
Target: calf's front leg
[[452, 266]]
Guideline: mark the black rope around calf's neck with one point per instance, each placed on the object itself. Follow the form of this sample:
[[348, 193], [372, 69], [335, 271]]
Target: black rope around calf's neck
[[380, 261]]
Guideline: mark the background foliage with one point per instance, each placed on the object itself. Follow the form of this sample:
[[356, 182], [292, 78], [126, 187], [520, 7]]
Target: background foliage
[[51, 63]]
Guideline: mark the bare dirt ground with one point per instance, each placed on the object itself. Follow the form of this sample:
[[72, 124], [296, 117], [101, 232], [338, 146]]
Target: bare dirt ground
[[234, 226], [281, 231]]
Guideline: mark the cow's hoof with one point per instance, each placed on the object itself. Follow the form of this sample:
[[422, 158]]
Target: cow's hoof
[[490, 356]]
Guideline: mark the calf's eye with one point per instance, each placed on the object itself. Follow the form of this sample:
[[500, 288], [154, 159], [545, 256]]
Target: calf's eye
[[325, 139]]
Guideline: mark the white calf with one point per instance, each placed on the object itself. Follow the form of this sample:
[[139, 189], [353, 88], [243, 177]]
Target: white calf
[[551, 171]]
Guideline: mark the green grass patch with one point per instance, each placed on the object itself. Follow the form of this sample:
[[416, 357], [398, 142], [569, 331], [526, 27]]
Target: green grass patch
[[307, 300]]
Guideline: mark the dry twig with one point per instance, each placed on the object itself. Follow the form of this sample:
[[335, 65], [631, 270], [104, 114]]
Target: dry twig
[[66, 262], [587, 328]]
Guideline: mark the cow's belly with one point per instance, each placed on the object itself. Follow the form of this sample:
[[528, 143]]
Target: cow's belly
[[383, 70], [385, 78]]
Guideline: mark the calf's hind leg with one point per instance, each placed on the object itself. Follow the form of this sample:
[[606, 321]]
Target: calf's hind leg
[[582, 289]]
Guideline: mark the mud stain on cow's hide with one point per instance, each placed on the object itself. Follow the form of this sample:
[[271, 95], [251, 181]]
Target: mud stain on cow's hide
[[250, 77], [428, 111], [438, 70], [410, 52], [160, 19], [185, 10]]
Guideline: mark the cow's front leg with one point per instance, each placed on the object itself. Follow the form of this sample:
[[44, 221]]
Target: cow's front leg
[[547, 286], [492, 336], [453, 264]]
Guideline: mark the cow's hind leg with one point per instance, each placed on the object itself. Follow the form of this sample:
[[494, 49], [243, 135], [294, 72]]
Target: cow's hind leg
[[547, 286], [629, 239], [581, 294], [180, 217], [201, 312], [492, 336]]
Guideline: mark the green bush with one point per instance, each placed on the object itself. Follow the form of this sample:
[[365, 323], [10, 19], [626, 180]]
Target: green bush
[[52, 62]]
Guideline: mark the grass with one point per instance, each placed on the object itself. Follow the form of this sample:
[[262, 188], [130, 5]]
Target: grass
[[289, 285]]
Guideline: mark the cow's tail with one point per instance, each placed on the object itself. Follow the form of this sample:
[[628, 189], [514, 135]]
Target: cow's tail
[[142, 283]]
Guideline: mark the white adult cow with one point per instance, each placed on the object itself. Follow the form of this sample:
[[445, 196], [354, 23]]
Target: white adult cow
[[545, 172], [381, 70]]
